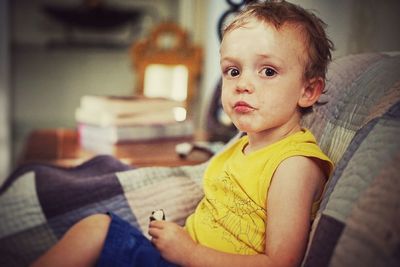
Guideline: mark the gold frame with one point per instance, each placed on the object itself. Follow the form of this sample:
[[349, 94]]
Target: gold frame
[[182, 52]]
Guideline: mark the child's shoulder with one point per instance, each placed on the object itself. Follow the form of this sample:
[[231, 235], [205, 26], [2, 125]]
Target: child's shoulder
[[304, 149]]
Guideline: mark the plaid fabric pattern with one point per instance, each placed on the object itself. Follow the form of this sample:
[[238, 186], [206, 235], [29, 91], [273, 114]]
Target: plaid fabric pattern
[[40, 203]]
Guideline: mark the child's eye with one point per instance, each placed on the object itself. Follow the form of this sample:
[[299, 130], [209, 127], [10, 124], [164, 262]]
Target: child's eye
[[269, 72], [233, 72]]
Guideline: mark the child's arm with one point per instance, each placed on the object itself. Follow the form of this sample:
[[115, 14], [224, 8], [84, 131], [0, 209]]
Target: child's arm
[[297, 183]]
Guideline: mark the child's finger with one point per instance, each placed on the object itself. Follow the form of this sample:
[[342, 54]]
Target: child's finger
[[154, 232], [157, 224]]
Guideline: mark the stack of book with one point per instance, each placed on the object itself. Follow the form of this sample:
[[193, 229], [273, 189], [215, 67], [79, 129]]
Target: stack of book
[[104, 121]]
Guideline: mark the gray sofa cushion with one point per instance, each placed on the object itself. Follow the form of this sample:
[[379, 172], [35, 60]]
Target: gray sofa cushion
[[358, 223]]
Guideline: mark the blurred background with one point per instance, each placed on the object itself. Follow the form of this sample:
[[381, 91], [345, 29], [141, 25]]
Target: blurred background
[[46, 67]]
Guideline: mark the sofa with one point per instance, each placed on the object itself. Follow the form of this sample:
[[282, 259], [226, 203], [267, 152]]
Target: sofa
[[358, 224]]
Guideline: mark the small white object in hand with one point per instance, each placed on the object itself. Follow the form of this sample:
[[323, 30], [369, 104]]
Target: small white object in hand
[[157, 215]]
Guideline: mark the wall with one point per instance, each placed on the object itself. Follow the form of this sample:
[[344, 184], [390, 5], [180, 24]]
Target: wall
[[48, 81], [5, 150], [357, 26], [211, 74]]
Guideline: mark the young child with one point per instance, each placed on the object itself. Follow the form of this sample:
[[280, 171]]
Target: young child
[[262, 192]]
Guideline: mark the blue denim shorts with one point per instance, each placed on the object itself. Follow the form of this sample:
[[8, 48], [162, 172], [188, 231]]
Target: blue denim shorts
[[127, 246]]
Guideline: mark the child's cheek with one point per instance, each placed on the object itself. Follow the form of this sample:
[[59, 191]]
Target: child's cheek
[[225, 104]]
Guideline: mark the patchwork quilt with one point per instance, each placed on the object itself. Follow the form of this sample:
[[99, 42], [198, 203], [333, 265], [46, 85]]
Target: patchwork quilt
[[38, 203], [358, 223]]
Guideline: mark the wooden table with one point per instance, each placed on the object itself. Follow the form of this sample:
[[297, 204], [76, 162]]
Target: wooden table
[[61, 147]]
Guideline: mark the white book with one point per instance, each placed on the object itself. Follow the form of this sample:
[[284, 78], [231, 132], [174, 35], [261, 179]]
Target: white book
[[118, 134], [103, 118], [126, 104]]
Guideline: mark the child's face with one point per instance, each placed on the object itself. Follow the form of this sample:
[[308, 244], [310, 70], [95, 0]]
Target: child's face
[[263, 77]]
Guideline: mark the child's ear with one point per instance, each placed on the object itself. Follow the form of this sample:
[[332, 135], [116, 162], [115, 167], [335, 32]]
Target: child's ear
[[311, 92]]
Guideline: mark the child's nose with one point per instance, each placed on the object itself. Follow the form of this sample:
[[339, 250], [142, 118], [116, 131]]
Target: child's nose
[[244, 84]]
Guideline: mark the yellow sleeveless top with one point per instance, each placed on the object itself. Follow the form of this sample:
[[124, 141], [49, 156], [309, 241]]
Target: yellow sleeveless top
[[232, 215]]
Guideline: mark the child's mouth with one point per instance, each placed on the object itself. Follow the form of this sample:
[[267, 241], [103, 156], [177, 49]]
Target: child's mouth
[[242, 107]]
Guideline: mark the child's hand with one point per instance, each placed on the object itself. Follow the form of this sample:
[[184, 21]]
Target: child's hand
[[173, 242]]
